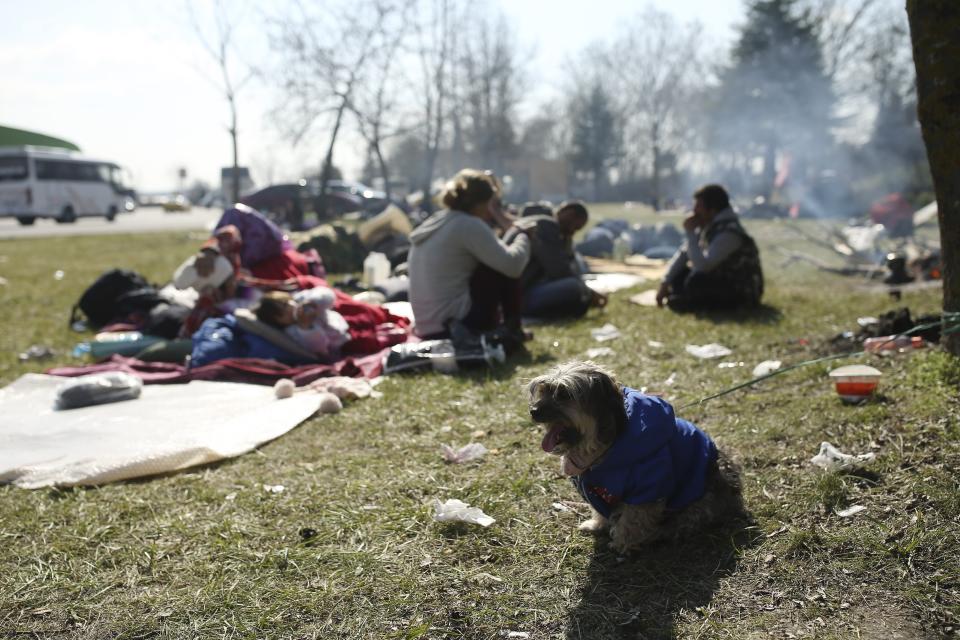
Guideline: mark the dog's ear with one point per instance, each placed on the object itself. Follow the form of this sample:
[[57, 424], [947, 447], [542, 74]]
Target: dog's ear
[[606, 403]]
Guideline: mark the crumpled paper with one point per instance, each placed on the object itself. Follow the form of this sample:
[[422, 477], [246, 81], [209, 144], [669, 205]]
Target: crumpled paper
[[832, 459], [599, 352], [454, 510], [466, 453], [851, 511], [708, 351], [604, 333], [766, 367]]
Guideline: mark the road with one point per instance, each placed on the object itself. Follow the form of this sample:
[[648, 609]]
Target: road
[[143, 220]]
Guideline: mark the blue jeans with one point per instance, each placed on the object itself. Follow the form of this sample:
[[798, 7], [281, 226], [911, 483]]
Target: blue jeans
[[564, 298]]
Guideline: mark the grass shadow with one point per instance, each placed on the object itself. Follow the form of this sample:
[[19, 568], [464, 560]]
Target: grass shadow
[[761, 314], [642, 595]]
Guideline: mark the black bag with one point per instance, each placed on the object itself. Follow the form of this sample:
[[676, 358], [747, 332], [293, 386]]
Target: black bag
[[99, 303]]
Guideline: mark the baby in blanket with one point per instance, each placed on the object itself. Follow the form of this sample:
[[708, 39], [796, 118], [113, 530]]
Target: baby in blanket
[[307, 317]]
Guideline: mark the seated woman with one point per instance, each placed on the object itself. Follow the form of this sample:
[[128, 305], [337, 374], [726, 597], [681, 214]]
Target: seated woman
[[462, 276]]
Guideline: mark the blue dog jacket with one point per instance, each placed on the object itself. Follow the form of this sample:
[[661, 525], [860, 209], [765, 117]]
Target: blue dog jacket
[[658, 457]]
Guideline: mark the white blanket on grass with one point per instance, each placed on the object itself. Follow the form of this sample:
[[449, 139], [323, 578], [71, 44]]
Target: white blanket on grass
[[168, 428]]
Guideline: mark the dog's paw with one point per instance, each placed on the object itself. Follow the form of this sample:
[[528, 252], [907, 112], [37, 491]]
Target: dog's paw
[[593, 525], [620, 546]]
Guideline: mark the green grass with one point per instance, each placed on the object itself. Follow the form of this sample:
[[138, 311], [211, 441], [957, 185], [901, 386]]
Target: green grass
[[209, 553]]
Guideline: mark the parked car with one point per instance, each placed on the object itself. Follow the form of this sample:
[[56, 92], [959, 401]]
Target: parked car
[[176, 203], [373, 200], [288, 203]]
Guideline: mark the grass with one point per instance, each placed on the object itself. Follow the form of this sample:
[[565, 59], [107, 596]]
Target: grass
[[349, 549]]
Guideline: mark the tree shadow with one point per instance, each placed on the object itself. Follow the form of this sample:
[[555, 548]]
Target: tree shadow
[[641, 596]]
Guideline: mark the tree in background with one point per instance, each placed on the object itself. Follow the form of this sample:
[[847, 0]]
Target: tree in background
[[220, 47], [595, 137], [934, 25], [375, 100], [657, 71], [488, 92], [434, 28], [895, 146], [323, 57], [776, 97]]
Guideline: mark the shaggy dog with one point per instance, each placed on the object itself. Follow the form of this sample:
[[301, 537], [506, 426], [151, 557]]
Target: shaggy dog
[[646, 474]]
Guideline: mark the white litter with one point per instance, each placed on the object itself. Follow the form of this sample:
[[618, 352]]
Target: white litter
[[605, 333], [708, 351], [599, 352], [516, 634], [729, 365], [607, 283], [851, 511], [647, 298], [766, 367], [274, 488], [671, 380], [466, 453], [831, 458], [559, 506], [656, 344], [454, 510]]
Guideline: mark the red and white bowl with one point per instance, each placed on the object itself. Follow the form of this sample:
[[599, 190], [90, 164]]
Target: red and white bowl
[[855, 382]]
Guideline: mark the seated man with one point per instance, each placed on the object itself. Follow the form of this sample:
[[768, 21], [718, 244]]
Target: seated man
[[719, 267], [551, 282]]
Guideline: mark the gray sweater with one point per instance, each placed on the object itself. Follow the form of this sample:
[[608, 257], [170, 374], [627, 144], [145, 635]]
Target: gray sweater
[[445, 251]]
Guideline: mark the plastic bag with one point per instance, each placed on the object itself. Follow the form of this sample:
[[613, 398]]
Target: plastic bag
[[466, 453], [441, 355], [766, 367], [99, 388], [708, 351], [831, 458], [605, 333], [457, 511]]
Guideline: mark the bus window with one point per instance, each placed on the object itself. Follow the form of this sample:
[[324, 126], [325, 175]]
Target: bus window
[[52, 170], [13, 168], [88, 172]]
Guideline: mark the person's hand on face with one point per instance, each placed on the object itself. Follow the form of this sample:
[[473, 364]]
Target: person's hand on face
[[691, 222]]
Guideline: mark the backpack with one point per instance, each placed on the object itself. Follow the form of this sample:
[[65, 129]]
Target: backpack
[[100, 303]]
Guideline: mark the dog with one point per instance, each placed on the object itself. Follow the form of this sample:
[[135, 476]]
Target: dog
[[647, 475]]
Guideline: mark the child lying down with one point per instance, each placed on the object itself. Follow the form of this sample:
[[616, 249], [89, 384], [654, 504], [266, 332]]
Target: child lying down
[[307, 317]]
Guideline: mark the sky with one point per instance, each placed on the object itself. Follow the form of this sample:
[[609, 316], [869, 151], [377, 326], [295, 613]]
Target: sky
[[129, 80]]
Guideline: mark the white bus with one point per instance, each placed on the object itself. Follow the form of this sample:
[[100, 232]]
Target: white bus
[[42, 182]]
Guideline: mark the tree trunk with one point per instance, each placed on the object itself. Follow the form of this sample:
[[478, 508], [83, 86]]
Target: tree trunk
[[383, 168], [934, 25], [655, 179], [328, 163], [235, 181]]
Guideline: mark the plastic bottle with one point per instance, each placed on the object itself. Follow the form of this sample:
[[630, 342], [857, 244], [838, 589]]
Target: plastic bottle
[[376, 269], [893, 343], [621, 248]]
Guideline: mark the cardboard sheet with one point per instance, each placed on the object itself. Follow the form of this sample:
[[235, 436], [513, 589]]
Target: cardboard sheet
[[170, 427]]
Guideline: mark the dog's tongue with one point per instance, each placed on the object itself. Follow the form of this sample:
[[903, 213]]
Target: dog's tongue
[[551, 439]]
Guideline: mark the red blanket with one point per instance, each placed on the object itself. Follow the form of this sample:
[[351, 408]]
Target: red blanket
[[250, 370]]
